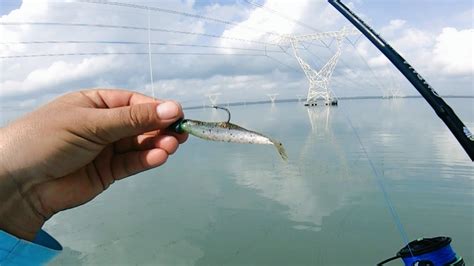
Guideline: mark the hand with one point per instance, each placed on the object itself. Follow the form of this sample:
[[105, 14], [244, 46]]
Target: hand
[[70, 150]]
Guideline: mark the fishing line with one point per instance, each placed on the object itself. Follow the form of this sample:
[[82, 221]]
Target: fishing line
[[381, 185], [149, 58]]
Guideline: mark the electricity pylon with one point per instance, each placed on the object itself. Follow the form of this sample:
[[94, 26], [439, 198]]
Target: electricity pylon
[[273, 97], [319, 80], [392, 92], [213, 98], [394, 88], [299, 96]]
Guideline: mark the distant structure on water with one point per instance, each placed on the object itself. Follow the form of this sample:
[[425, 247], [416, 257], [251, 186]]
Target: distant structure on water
[[273, 97], [213, 98]]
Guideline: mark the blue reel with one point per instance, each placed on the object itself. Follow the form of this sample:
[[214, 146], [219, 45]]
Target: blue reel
[[435, 251]]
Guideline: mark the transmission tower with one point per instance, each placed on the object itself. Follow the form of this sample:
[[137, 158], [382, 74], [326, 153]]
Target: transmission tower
[[392, 92], [273, 97], [213, 98], [299, 96], [319, 80]]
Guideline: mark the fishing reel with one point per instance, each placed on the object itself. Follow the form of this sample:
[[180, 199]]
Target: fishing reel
[[434, 251]]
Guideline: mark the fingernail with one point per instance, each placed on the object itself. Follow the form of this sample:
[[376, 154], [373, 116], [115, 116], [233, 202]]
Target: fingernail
[[167, 110]]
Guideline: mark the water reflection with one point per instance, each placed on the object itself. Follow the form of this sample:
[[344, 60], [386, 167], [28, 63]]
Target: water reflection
[[306, 184], [319, 118]]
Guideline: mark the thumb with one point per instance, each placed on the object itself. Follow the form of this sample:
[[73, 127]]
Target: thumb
[[127, 121]]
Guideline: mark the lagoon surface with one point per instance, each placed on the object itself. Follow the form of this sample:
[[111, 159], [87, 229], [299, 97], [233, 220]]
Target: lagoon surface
[[233, 204]]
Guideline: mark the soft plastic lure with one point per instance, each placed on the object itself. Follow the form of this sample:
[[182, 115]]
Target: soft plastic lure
[[225, 131]]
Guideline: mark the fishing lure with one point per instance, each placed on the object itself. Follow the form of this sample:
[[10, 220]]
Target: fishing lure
[[225, 131]]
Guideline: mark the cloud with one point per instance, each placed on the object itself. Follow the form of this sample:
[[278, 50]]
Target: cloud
[[59, 73], [438, 55], [280, 18], [447, 54], [443, 58], [26, 77], [379, 61], [394, 25], [453, 51], [236, 87], [266, 21]]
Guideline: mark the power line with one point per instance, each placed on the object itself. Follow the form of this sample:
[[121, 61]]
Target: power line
[[377, 81], [142, 43], [374, 82], [175, 12], [334, 79], [303, 25], [122, 53], [132, 28], [355, 80], [155, 29], [297, 69], [281, 63]]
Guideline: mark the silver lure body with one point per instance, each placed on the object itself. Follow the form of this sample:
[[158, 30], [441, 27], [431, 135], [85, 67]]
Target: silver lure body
[[228, 132]]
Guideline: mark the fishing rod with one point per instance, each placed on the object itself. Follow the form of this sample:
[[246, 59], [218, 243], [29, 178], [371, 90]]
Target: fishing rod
[[442, 109], [424, 251]]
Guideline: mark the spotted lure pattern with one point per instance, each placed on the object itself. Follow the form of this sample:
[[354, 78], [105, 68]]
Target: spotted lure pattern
[[227, 132]]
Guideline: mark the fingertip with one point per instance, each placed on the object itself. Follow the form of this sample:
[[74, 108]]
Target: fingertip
[[178, 104], [154, 157], [180, 107], [169, 110], [169, 143]]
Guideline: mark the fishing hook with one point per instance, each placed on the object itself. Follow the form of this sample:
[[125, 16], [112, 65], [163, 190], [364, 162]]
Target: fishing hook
[[225, 109]]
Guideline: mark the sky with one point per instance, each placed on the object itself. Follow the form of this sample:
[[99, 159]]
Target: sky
[[6, 6], [244, 63]]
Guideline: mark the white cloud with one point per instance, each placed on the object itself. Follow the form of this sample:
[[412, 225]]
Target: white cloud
[[394, 25], [236, 87], [23, 76], [58, 73], [31, 9], [379, 61], [410, 39], [444, 54], [265, 20], [282, 17], [442, 58], [191, 77], [453, 51]]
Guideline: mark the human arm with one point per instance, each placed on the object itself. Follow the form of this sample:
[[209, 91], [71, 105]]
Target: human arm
[[72, 149]]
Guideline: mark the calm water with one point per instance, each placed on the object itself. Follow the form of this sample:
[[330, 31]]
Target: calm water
[[230, 204]]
